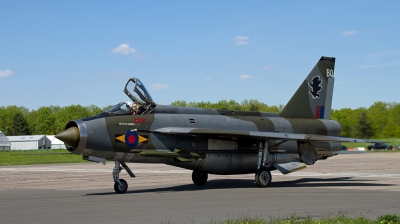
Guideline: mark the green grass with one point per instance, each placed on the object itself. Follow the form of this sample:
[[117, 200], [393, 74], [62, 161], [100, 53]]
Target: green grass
[[341, 218], [9, 158]]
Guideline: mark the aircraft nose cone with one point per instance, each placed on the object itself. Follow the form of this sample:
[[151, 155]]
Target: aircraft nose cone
[[70, 136]]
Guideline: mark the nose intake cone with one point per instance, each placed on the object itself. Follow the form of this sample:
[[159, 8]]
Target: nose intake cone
[[70, 136]]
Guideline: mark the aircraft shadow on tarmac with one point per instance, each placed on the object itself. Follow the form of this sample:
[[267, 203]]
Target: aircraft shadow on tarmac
[[236, 183]]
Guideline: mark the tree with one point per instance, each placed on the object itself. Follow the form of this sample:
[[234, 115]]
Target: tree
[[69, 113], [201, 104], [7, 117], [247, 105], [224, 104], [31, 119], [365, 126], [252, 105], [379, 114], [45, 122], [179, 103], [348, 119], [392, 129], [20, 126], [93, 110]]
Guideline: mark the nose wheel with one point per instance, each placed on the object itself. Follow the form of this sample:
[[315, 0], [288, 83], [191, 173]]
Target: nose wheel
[[120, 185]]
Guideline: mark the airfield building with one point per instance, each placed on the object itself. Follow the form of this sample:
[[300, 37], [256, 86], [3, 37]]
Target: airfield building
[[4, 142], [29, 142], [56, 143]]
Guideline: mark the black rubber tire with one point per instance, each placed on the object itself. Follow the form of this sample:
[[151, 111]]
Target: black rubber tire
[[263, 178], [199, 177], [121, 189]]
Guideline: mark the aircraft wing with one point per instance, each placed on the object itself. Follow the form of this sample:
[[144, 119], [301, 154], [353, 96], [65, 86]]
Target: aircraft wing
[[253, 134]]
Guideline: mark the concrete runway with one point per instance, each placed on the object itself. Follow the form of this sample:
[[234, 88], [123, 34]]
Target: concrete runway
[[362, 184]]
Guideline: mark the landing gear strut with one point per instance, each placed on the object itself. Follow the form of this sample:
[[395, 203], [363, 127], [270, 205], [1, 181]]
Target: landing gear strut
[[199, 177], [263, 175], [120, 185]]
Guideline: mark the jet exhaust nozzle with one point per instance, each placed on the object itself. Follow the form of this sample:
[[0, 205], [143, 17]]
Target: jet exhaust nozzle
[[70, 136]]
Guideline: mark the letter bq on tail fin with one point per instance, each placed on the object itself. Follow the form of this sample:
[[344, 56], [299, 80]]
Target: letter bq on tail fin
[[313, 99]]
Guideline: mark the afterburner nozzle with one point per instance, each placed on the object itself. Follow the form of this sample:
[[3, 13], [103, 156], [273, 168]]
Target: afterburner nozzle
[[70, 136]]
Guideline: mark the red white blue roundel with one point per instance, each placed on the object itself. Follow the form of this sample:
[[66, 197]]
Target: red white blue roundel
[[131, 139]]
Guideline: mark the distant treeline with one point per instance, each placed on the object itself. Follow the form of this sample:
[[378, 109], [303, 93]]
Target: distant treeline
[[248, 105], [48, 120], [380, 120]]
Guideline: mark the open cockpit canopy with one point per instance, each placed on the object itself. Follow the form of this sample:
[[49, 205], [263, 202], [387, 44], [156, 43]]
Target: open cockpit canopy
[[142, 101], [137, 92]]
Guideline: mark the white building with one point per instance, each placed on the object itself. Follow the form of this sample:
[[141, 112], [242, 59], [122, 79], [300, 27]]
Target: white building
[[29, 142], [4, 142], [56, 143]]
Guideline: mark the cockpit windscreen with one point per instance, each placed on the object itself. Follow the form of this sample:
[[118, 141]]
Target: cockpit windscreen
[[120, 108]]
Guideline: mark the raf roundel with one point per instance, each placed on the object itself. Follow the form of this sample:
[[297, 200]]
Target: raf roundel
[[131, 139]]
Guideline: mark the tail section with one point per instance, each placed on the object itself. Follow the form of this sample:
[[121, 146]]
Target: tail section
[[313, 99]]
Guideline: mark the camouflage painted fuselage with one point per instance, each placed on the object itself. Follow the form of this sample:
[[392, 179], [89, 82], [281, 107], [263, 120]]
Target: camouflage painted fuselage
[[104, 137], [216, 141]]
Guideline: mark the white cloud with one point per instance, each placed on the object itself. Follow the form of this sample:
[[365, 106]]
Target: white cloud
[[349, 33], [159, 86], [6, 73], [245, 76], [125, 49], [241, 40], [266, 68], [208, 79]]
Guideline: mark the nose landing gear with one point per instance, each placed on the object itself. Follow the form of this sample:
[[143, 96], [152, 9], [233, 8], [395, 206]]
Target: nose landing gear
[[120, 185]]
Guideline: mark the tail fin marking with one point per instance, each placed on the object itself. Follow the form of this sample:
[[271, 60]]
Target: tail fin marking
[[313, 99]]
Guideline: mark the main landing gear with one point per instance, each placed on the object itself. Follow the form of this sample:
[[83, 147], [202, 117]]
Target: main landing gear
[[199, 177], [120, 185], [263, 176]]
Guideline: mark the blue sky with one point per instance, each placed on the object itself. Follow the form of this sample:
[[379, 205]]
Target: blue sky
[[83, 52]]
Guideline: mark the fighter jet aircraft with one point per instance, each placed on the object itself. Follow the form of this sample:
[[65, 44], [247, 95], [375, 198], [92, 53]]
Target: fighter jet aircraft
[[211, 141]]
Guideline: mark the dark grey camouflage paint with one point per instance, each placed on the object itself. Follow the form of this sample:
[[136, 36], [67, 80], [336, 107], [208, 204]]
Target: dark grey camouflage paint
[[208, 131]]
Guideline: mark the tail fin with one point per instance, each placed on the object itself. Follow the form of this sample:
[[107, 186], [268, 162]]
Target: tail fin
[[313, 99]]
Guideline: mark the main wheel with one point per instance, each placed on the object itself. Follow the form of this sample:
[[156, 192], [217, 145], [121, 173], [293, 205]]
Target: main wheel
[[199, 177], [263, 178], [120, 189]]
